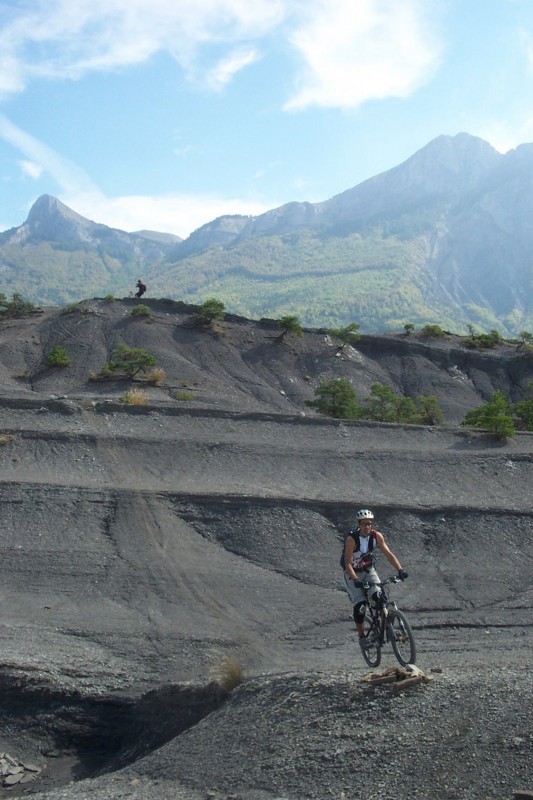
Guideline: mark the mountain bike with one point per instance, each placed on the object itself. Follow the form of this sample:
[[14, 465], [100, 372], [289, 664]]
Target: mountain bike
[[385, 623]]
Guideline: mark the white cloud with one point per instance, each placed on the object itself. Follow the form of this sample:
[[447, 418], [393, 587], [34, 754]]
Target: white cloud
[[353, 53], [31, 169], [228, 67], [172, 213], [69, 176], [69, 38], [349, 52]]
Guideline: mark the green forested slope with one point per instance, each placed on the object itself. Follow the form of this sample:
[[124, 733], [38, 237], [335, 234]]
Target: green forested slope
[[381, 281]]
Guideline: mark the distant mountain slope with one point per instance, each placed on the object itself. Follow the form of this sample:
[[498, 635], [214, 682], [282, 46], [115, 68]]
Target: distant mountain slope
[[445, 237], [56, 256]]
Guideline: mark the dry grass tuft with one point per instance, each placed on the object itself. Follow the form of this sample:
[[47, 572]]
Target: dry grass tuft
[[134, 397], [156, 376], [226, 670], [6, 438]]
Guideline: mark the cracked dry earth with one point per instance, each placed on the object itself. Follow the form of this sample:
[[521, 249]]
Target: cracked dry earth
[[136, 544]]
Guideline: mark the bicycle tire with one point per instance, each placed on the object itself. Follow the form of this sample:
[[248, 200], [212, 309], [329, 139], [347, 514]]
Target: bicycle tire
[[401, 638], [372, 651]]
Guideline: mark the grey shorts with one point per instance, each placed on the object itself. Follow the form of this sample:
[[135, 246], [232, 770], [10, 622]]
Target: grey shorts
[[355, 594]]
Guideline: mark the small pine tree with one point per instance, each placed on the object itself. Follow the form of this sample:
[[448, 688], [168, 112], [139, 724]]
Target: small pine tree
[[289, 324], [407, 411], [347, 335], [433, 331], [336, 398], [128, 361], [211, 310], [429, 409], [58, 357], [494, 417], [522, 410], [526, 339], [381, 406]]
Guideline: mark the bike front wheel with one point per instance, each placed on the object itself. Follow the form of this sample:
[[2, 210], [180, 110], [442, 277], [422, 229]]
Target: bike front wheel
[[371, 644], [401, 637]]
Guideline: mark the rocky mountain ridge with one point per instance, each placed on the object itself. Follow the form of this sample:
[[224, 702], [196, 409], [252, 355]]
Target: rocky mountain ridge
[[444, 237]]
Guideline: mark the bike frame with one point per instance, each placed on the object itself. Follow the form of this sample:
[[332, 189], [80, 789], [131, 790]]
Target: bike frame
[[384, 622], [379, 614]]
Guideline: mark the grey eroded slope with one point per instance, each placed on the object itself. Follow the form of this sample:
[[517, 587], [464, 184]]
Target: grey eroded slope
[[134, 541], [148, 538], [239, 364]]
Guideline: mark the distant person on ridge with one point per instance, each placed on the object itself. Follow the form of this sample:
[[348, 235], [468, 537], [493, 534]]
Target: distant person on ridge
[[141, 288], [358, 561]]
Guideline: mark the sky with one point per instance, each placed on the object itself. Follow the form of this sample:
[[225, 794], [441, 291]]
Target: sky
[[165, 114]]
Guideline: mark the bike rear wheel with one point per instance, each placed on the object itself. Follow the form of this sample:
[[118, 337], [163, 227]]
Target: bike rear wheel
[[401, 638], [371, 644]]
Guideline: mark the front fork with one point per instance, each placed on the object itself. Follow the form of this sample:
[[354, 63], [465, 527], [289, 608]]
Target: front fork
[[387, 627]]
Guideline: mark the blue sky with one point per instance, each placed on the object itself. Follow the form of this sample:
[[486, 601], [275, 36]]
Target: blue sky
[[165, 114]]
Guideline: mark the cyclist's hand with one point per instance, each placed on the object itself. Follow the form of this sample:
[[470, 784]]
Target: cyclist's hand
[[402, 574]]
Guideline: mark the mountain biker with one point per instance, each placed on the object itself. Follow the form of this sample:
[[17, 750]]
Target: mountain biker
[[141, 288], [359, 562]]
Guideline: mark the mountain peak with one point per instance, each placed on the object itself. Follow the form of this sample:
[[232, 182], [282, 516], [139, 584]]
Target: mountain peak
[[47, 204], [464, 156], [49, 218]]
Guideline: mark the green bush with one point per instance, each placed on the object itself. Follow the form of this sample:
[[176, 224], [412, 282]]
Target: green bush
[[17, 307], [336, 398], [183, 394], [526, 340], [140, 311], [522, 414], [429, 410], [384, 405], [433, 331], [347, 335], [483, 340], [289, 324], [58, 357], [127, 361], [71, 308], [494, 417], [212, 309]]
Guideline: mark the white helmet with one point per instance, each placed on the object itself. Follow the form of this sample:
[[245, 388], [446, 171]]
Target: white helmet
[[364, 514]]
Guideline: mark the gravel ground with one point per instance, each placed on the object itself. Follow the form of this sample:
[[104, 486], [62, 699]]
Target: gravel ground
[[135, 540]]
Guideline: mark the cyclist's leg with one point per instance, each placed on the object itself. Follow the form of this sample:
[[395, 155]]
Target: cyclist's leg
[[372, 577], [358, 601]]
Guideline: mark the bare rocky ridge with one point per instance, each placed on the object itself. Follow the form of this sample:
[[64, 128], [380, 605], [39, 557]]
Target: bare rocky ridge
[[443, 237], [137, 540]]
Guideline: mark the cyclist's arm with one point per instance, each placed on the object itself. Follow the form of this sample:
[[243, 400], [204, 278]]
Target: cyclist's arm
[[387, 552], [349, 547]]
